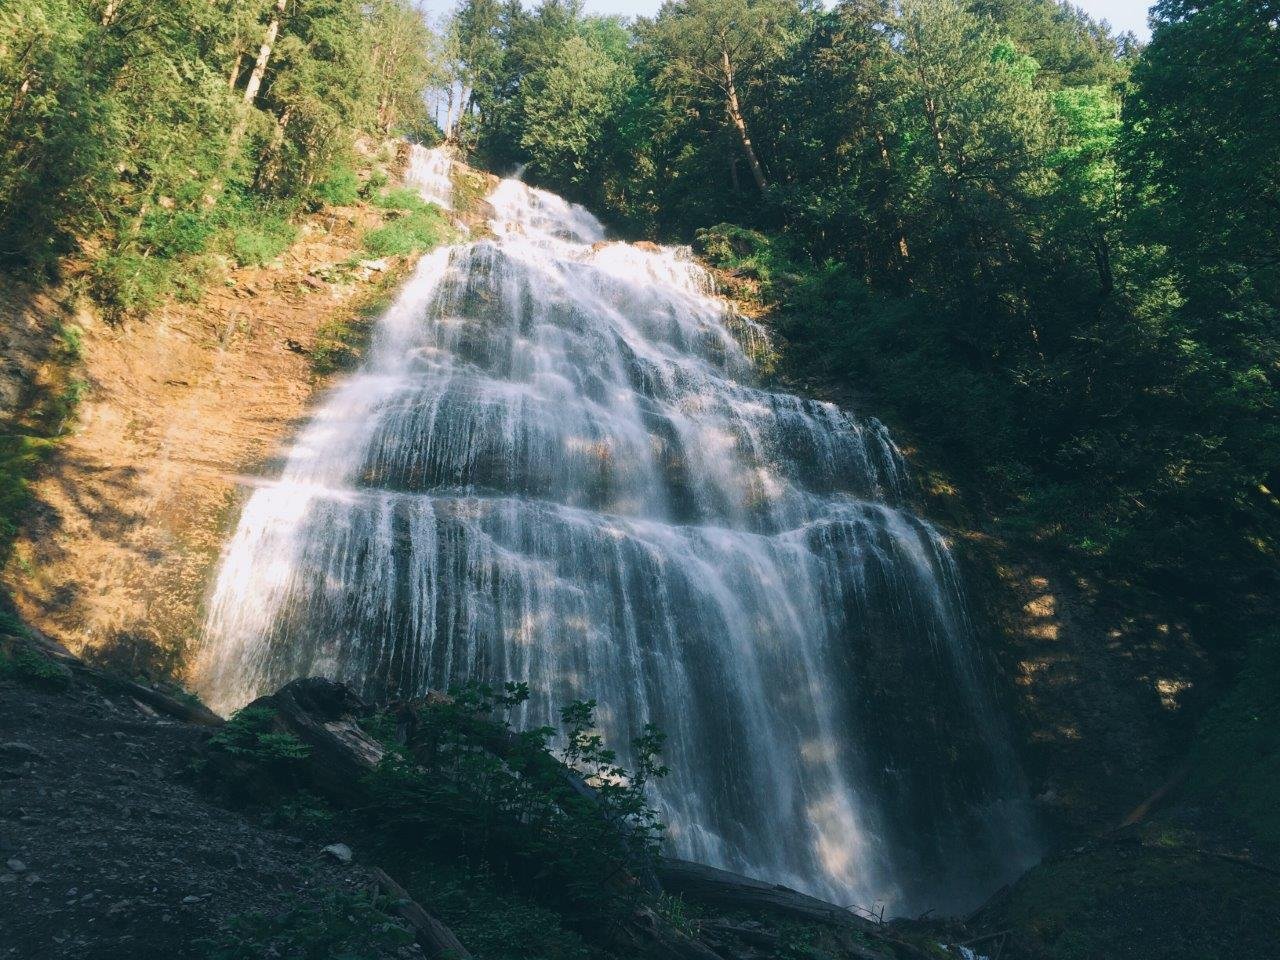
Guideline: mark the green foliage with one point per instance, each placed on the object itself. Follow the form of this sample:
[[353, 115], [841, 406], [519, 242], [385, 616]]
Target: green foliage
[[467, 789], [22, 662], [147, 128], [341, 188], [337, 926], [71, 341], [250, 736], [1235, 759], [421, 226], [260, 244]]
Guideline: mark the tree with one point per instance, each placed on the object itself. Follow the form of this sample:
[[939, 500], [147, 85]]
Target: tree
[[567, 105], [716, 50]]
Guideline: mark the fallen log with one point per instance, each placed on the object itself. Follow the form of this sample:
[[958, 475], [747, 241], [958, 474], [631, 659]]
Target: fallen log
[[652, 933], [326, 716], [438, 942], [733, 891], [190, 711]]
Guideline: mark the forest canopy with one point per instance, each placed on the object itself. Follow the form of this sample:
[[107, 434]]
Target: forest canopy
[[146, 134], [1047, 252]]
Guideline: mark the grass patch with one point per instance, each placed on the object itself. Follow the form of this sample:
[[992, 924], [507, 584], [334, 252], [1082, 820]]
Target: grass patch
[[260, 244], [340, 189], [417, 227]]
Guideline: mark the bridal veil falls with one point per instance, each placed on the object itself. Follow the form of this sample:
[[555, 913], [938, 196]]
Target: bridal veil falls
[[556, 464]]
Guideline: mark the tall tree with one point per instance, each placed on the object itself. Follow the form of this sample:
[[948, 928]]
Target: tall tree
[[716, 50]]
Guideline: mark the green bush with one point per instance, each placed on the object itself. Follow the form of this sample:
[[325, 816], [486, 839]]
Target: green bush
[[399, 198], [468, 789], [71, 340], [18, 661], [340, 926], [129, 282], [341, 188], [423, 226], [175, 233], [250, 736]]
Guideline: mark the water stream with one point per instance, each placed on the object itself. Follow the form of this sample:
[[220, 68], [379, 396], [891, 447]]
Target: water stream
[[555, 464]]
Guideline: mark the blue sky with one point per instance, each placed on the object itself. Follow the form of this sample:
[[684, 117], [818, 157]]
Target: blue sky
[[1122, 14]]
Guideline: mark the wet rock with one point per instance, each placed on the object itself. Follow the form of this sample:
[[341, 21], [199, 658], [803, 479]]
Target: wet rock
[[16, 865]]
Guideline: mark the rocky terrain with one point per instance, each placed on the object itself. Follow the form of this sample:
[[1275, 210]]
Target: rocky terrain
[[111, 852]]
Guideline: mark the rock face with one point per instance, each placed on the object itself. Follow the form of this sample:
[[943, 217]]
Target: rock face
[[178, 407]]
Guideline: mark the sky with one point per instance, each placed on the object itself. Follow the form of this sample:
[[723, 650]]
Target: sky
[[1121, 14]]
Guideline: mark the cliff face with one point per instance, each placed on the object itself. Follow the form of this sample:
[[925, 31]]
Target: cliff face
[[128, 511]]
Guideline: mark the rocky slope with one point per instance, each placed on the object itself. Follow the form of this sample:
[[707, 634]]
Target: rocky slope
[[175, 409], [110, 852]]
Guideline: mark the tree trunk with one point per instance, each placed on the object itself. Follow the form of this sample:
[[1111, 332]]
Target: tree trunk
[[235, 71], [434, 937], [904, 252], [264, 53], [270, 166], [740, 123]]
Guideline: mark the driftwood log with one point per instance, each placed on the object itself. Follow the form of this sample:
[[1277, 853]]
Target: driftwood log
[[326, 716], [732, 891], [437, 941]]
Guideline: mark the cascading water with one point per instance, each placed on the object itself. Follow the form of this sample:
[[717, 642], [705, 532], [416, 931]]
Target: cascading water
[[553, 466]]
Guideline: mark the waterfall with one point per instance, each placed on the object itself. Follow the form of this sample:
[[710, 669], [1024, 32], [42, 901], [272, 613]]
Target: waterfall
[[555, 464]]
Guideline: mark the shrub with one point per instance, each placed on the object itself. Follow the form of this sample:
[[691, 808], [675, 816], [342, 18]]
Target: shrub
[[340, 926], [71, 340], [419, 226], [250, 736], [171, 234], [20, 662], [128, 282], [340, 189], [467, 788]]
